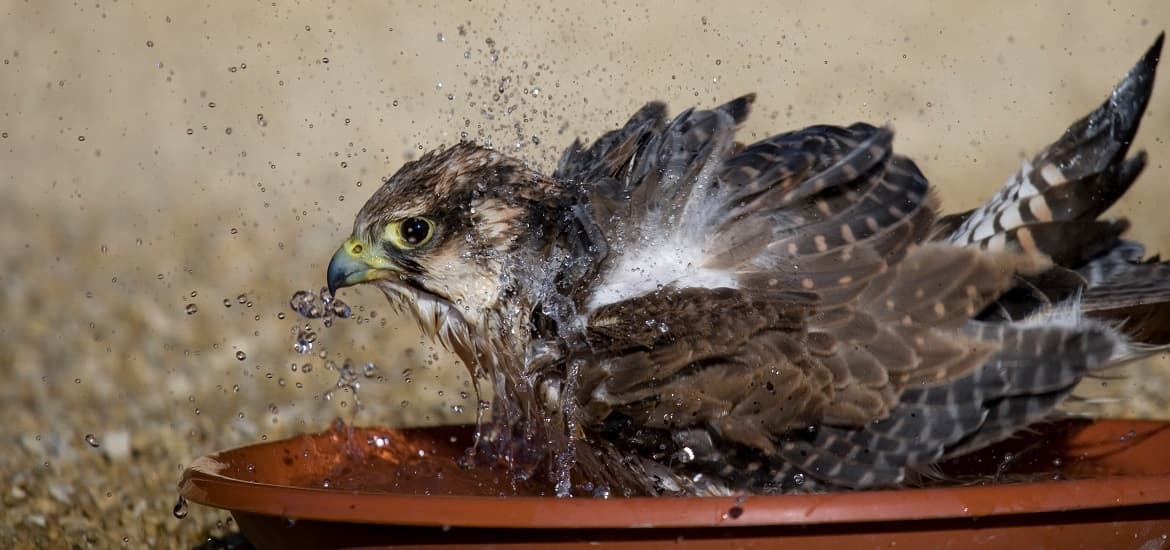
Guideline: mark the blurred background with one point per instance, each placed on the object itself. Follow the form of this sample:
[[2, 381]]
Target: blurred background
[[172, 172]]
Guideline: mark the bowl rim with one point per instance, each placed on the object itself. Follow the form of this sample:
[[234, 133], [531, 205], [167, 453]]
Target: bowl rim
[[203, 484]]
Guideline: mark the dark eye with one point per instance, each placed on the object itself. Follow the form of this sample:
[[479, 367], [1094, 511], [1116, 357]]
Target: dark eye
[[409, 233], [416, 231]]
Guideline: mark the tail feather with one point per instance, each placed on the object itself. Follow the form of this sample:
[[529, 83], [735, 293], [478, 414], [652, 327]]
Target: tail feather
[[1073, 180], [1051, 206], [1115, 281]]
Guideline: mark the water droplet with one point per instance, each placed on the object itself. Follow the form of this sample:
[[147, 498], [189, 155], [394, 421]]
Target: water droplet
[[303, 340], [241, 355], [191, 309], [734, 512], [304, 302], [441, 37], [180, 509], [92, 441]]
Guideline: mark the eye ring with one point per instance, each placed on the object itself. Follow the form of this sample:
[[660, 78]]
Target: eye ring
[[410, 233]]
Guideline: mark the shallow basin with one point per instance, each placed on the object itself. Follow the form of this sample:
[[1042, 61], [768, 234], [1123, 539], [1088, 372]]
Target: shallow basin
[[1077, 484]]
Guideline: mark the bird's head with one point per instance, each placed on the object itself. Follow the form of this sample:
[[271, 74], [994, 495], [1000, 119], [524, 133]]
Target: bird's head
[[439, 236]]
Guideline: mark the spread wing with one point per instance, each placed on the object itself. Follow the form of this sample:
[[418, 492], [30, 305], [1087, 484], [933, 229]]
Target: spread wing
[[781, 306], [753, 291]]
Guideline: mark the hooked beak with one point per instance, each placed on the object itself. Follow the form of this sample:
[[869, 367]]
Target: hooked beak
[[357, 262]]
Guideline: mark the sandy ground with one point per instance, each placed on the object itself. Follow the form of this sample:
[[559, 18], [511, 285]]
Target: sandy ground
[[161, 156]]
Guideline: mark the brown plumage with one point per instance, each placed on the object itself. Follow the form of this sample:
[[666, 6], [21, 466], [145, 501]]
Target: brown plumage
[[676, 311]]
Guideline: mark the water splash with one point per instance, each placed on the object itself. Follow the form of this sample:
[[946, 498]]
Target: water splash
[[303, 339], [320, 305], [566, 458], [347, 376]]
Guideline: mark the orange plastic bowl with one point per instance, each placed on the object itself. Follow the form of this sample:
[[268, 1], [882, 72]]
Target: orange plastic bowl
[[1106, 484]]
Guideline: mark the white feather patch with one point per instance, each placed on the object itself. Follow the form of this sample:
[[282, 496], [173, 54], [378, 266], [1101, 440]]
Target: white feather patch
[[648, 267], [652, 264], [668, 252]]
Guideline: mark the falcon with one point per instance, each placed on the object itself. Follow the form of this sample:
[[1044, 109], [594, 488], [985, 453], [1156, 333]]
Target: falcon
[[675, 311]]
